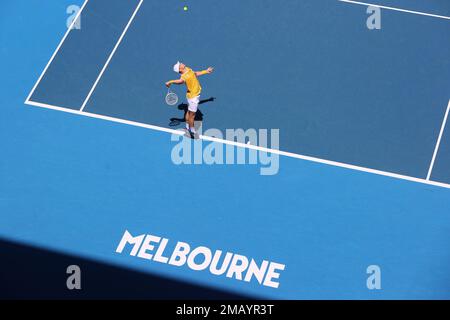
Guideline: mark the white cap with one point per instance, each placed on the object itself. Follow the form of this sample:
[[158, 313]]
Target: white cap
[[176, 67]]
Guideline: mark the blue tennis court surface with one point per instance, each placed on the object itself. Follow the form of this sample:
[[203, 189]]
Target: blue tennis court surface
[[369, 108], [329, 85]]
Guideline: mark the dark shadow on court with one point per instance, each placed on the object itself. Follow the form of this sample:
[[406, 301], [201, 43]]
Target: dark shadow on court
[[184, 107], [33, 273]]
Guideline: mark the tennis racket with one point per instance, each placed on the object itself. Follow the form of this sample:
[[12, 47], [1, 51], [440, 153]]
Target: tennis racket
[[171, 98]]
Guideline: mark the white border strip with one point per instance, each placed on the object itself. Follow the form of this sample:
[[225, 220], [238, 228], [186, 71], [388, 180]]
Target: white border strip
[[243, 145], [438, 143], [397, 9], [111, 56], [57, 49]]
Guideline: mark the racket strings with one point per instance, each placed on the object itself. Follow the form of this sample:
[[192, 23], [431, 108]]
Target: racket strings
[[171, 98]]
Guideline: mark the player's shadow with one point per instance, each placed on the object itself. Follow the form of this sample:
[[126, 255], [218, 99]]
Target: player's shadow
[[184, 107]]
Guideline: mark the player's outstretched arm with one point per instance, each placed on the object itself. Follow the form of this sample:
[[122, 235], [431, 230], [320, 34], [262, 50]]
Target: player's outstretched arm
[[169, 83], [207, 71]]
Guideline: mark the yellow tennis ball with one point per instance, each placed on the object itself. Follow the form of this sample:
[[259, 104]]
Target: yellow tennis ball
[[185, 8]]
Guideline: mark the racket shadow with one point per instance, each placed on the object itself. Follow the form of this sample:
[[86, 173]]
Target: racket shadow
[[184, 107]]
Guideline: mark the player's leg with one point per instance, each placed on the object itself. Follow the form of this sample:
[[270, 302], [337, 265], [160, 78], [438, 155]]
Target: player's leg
[[186, 119], [190, 117], [191, 120], [192, 109]]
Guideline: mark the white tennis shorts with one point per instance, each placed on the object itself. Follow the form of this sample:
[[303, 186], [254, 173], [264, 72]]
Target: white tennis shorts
[[193, 104]]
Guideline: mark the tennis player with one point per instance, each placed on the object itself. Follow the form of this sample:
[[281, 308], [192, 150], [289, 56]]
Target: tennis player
[[194, 89]]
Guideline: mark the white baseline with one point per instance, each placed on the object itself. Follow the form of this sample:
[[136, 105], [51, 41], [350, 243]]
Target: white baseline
[[243, 145], [396, 9]]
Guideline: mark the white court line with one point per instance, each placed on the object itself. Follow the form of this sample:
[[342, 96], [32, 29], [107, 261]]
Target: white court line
[[57, 49], [243, 145], [436, 149], [111, 56], [396, 9], [98, 116]]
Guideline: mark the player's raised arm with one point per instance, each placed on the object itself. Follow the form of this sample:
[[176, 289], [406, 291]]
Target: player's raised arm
[[207, 71], [169, 83]]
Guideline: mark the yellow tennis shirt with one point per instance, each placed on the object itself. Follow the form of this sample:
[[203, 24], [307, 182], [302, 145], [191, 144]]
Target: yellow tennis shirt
[[193, 86]]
